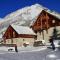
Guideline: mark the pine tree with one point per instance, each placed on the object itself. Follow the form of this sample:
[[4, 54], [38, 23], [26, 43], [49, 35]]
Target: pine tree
[[55, 34], [53, 37]]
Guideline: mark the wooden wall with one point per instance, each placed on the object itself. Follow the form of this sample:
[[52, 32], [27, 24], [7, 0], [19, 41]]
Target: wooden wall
[[10, 33], [45, 21], [26, 36]]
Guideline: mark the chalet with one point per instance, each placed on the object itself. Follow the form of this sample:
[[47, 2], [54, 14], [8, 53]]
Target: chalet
[[44, 24], [19, 35]]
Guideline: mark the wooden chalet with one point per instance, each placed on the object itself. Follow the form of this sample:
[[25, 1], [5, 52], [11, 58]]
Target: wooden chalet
[[44, 24], [19, 35]]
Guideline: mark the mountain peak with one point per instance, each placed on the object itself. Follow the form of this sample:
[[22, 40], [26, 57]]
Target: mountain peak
[[38, 5], [26, 9]]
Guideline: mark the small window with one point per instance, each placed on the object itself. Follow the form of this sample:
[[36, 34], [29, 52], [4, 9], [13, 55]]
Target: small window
[[13, 34], [23, 40], [35, 37], [45, 23], [53, 21], [11, 40]]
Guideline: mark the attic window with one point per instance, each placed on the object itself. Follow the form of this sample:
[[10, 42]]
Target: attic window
[[45, 23], [13, 34], [53, 21]]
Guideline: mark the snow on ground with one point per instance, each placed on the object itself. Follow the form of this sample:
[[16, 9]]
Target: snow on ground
[[31, 48], [6, 48], [23, 49], [51, 56]]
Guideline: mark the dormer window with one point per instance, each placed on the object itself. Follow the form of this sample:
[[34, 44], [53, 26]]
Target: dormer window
[[53, 21]]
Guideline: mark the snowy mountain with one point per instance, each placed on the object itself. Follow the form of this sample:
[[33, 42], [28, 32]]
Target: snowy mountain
[[22, 16]]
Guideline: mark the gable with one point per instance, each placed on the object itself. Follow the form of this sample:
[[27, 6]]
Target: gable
[[9, 33], [46, 19]]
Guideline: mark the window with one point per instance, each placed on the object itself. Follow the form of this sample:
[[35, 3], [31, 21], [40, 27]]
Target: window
[[53, 21], [11, 40], [23, 40], [45, 23], [35, 37], [13, 34]]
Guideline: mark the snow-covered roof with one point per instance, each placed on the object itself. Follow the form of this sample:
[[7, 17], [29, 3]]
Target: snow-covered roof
[[56, 14], [23, 30]]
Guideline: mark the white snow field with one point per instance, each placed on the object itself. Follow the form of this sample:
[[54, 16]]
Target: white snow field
[[22, 49]]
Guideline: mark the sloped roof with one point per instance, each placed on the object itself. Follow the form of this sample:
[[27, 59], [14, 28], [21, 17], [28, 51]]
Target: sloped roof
[[35, 18], [23, 30], [53, 13], [56, 14]]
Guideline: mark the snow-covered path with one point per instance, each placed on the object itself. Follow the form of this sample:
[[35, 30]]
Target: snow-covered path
[[22, 49], [47, 54]]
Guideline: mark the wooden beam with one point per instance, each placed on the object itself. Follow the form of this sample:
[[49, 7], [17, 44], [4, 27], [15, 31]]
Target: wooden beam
[[47, 24], [43, 34], [41, 22], [42, 27]]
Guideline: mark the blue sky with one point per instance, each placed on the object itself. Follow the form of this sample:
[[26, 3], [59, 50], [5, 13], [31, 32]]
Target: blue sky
[[8, 6]]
